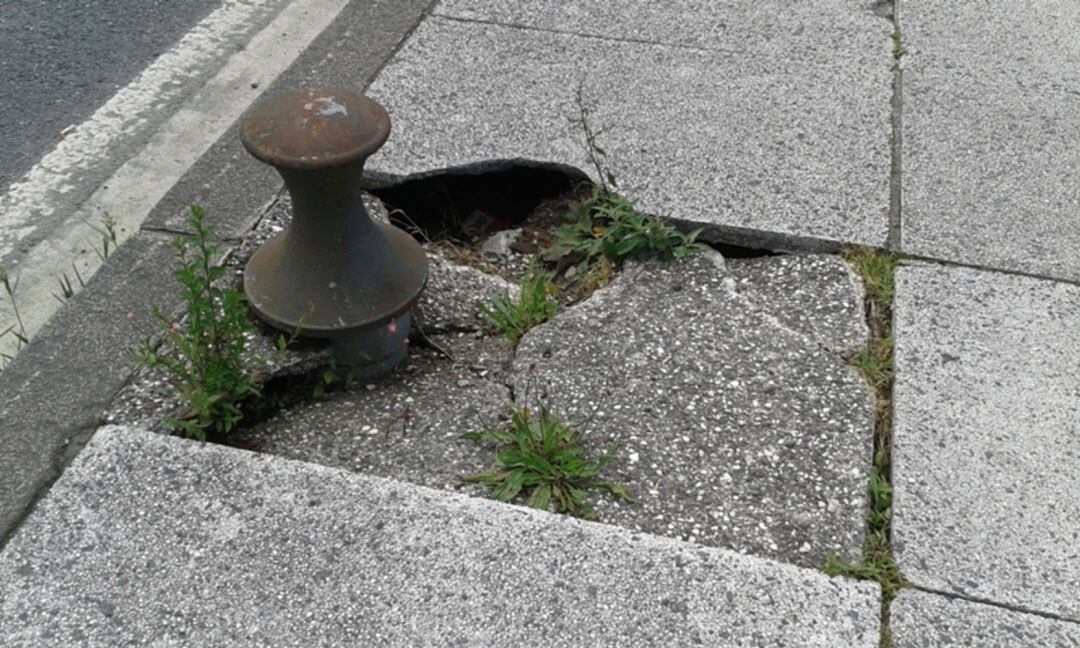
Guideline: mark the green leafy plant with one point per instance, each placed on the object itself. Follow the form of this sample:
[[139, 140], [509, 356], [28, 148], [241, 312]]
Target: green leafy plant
[[107, 232], [535, 305], [899, 51], [540, 458], [204, 353], [67, 288], [18, 329], [877, 269], [607, 225], [333, 377]]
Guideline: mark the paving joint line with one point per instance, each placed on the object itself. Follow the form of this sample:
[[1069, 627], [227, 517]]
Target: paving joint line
[[997, 604], [984, 268], [895, 237], [424, 15]]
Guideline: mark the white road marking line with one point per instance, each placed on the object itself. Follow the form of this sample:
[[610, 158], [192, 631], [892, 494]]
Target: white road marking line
[[137, 186]]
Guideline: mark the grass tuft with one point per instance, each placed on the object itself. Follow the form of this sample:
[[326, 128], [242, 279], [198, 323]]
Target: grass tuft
[[875, 362], [541, 460], [535, 305]]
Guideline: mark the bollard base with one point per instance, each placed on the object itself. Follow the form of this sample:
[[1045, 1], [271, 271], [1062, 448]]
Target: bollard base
[[374, 352]]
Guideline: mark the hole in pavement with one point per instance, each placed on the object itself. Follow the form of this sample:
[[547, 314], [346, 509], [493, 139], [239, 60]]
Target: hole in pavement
[[467, 204]]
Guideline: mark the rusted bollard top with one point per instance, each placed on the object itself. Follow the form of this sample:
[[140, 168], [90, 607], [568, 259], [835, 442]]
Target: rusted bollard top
[[315, 128]]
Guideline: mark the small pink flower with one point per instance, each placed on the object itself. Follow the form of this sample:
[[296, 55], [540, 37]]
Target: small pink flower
[[130, 315], [392, 326], [175, 328]]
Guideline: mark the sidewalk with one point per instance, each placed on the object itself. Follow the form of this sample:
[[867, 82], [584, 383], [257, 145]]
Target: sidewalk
[[948, 133]]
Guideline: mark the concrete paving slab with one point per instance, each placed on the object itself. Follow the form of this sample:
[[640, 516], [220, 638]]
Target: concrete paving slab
[[712, 138], [53, 393], [992, 134], [733, 430], [407, 425], [816, 294], [924, 620], [453, 296], [150, 539], [987, 436], [826, 32]]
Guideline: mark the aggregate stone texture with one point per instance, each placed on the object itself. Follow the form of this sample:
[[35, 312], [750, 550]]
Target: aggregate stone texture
[[826, 32], [924, 620], [816, 294], [987, 436], [157, 540], [733, 139], [733, 430], [991, 133], [406, 426], [454, 296]]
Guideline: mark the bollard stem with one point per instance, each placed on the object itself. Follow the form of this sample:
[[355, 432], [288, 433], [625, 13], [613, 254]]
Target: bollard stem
[[334, 272]]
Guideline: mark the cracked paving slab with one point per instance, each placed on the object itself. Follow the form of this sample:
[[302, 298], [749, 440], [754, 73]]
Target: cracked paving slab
[[818, 295], [824, 32], [986, 436], [925, 620], [744, 141], [156, 540], [736, 431], [732, 429], [407, 425]]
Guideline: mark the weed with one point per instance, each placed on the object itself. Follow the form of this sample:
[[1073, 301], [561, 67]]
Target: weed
[[607, 225], [899, 51], [877, 269], [67, 289], [333, 377], [107, 231], [18, 329], [207, 349], [875, 363], [877, 564], [541, 457], [534, 306], [597, 155]]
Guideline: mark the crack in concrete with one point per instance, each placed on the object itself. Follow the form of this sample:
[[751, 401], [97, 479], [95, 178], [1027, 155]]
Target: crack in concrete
[[601, 37], [997, 604]]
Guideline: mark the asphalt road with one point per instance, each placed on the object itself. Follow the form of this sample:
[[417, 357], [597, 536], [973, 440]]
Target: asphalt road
[[61, 59]]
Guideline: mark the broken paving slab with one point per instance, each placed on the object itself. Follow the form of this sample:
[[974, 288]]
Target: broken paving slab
[[454, 295], [817, 294], [925, 620], [986, 436], [158, 540], [732, 429], [710, 138], [822, 32], [992, 134], [407, 425]]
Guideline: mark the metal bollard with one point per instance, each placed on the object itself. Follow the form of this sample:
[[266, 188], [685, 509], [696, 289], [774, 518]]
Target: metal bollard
[[334, 272]]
